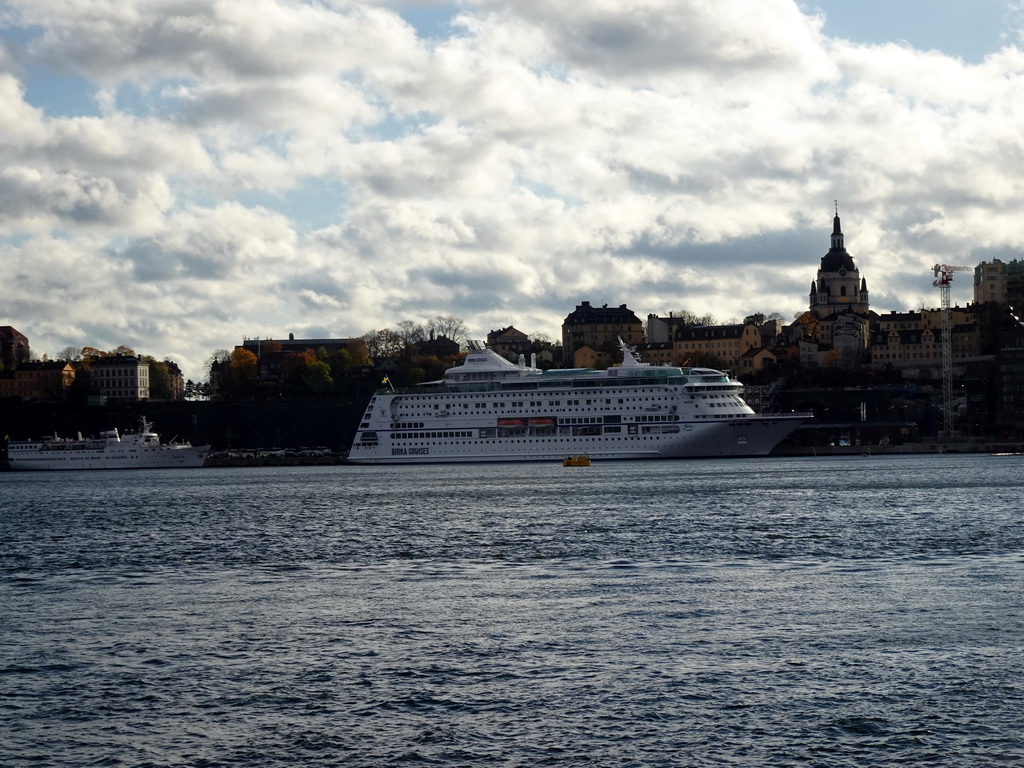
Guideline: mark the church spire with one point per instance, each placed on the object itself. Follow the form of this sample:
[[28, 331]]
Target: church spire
[[837, 232]]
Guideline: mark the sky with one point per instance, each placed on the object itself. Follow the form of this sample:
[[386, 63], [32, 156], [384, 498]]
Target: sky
[[177, 175]]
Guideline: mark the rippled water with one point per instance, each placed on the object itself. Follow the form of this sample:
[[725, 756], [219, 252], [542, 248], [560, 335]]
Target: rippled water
[[825, 612]]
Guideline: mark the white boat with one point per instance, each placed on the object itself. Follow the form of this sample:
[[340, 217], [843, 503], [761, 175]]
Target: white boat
[[490, 409], [111, 450]]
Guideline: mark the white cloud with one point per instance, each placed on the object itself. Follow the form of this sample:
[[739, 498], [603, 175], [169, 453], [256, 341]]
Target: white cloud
[[658, 153]]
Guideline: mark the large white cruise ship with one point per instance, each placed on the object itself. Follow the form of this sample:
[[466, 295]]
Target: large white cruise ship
[[490, 409], [111, 450]]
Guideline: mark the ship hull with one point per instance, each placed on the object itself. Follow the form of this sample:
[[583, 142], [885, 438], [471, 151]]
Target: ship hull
[[755, 436], [40, 460]]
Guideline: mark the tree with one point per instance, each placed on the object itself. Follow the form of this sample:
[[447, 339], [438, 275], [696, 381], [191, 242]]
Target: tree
[[448, 326], [159, 378], [809, 322], [70, 354], [359, 353], [760, 318], [383, 344], [692, 318], [411, 332], [244, 365], [91, 354], [317, 377]]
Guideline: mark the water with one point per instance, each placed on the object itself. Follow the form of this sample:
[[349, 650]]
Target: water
[[861, 611]]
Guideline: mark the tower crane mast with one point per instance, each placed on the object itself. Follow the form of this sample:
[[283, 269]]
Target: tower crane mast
[[943, 278]]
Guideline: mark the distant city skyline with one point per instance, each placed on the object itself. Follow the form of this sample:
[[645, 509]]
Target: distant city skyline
[[175, 179]]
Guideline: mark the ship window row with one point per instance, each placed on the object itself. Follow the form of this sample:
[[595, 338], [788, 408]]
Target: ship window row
[[653, 429], [542, 403], [645, 436]]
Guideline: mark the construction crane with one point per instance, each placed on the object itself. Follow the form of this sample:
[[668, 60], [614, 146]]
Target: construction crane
[[943, 277]]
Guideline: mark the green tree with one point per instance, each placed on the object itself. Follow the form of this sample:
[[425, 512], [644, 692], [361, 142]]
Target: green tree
[[317, 377]]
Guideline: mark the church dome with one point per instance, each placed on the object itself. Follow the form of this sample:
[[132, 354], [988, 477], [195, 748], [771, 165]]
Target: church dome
[[833, 261], [837, 258]]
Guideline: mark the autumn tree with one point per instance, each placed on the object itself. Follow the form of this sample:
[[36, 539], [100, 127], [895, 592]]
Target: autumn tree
[[244, 365], [360, 354], [91, 354], [808, 321], [295, 366]]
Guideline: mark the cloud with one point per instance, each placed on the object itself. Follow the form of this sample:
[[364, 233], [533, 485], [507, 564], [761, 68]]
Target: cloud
[[667, 154], [659, 39]]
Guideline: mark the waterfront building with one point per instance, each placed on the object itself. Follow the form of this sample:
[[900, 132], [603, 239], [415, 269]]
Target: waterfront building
[[439, 346], [661, 329], [14, 347], [1009, 376], [1000, 282], [509, 342], [122, 377], [911, 342], [176, 381], [259, 346], [37, 381], [599, 329], [725, 343]]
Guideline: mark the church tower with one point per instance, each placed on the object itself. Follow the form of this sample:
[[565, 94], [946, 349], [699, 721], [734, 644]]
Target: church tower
[[839, 286]]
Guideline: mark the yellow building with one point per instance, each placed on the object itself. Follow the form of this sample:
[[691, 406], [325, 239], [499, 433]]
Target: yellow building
[[38, 381], [913, 340], [1000, 282], [721, 345]]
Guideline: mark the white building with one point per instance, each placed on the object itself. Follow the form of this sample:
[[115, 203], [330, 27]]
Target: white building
[[122, 377]]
